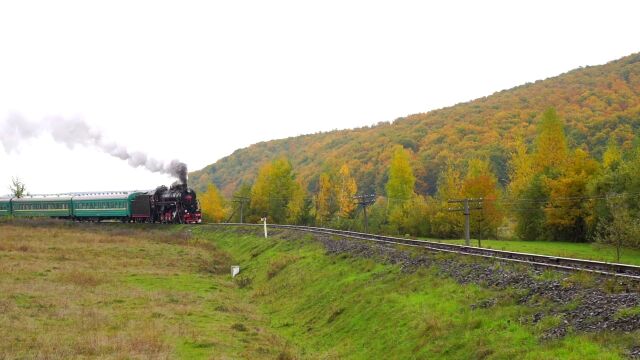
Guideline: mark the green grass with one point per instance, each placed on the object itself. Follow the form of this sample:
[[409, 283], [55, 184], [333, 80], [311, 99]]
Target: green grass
[[120, 291], [83, 291], [590, 251], [628, 312], [344, 307]]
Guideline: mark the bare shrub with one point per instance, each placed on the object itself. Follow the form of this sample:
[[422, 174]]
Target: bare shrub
[[277, 265], [243, 281], [285, 355], [239, 327], [148, 342], [214, 263]]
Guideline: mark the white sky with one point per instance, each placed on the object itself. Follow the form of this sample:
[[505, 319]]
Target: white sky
[[195, 80]]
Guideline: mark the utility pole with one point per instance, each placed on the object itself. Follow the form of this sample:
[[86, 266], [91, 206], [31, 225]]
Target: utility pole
[[364, 201], [476, 204], [241, 200]]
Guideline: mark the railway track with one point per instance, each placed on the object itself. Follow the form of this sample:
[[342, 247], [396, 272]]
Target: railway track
[[553, 262]]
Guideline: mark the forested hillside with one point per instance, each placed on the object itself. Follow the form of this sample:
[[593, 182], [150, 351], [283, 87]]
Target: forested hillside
[[596, 103]]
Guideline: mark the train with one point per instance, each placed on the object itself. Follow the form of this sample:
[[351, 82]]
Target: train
[[177, 204]]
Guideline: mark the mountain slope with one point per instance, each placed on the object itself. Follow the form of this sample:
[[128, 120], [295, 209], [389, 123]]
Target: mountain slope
[[596, 103]]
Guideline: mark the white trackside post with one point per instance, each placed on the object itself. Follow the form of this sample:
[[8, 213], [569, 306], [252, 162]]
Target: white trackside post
[[235, 270], [264, 221]]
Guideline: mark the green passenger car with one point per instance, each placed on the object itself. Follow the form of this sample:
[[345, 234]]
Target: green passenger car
[[103, 205], [5, 206], [45, 206]]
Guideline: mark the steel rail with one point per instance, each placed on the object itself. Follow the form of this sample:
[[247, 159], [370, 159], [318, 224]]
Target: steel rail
[[553, 262]]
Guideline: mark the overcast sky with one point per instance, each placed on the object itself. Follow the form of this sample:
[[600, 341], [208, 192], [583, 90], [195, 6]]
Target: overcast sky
[[195, 80]]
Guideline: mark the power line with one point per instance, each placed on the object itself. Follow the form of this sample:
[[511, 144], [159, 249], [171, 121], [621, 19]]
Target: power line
[[561, 199]]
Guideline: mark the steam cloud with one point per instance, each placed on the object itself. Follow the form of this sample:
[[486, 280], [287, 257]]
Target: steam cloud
[[72, 132]]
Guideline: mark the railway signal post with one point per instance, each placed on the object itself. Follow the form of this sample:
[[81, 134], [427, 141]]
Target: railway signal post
[[476, 204]]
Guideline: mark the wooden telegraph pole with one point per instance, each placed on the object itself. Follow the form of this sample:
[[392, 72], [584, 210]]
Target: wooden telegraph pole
[[364, 201], [467, 206], [241, 200]]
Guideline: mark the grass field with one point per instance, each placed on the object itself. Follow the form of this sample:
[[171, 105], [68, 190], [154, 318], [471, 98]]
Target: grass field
[[120, 291], [68, 292], [590, 251]]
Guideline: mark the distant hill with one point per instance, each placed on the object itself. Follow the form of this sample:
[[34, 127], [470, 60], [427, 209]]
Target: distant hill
[[596, 103]]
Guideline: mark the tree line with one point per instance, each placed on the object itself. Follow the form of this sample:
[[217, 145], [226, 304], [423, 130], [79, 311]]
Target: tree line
[[596, 103], [550, 191]]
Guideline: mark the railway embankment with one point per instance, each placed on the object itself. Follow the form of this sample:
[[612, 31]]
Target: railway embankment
[[348, 298]]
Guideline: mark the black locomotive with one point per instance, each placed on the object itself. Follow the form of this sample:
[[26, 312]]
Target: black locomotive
[[177, 204]]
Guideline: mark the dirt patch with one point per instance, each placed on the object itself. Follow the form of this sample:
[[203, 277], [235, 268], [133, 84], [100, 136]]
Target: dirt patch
[[81, 278]]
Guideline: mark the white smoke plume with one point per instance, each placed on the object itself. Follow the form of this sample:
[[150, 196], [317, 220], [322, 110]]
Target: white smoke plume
[[72, 132]]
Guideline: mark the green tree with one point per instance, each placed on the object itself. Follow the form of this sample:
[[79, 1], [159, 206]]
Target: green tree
[[18, 188], [617, 176], [273, 190], [529, 211], [621, 229], [413, 217]]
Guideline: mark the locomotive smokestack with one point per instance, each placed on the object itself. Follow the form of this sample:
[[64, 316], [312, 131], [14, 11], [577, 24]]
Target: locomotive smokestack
[[72, 132], [179, 171]]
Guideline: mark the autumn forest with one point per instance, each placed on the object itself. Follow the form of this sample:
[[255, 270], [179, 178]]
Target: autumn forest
[[552, 160]]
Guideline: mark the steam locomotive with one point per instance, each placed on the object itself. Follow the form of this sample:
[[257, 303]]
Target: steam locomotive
[[177, 204]]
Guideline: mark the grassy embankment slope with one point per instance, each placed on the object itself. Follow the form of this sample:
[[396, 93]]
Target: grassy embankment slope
[[126, 291], [343, 307]]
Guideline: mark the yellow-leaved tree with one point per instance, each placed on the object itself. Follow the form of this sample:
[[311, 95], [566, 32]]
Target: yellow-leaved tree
[[567, 213], [551, 143], [612, 157], [521, 169], [296, 205], [480, 182], [212, 204], [445, 223], [345, 190], [324, 199], [275, 193], [400, 186]]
